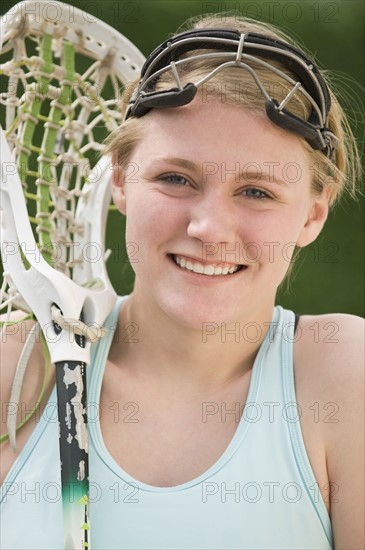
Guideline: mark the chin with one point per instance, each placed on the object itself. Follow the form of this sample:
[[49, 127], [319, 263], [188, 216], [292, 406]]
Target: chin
[[197, 314]]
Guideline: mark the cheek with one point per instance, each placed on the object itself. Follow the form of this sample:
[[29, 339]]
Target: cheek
[[152, 218], [270, 239]]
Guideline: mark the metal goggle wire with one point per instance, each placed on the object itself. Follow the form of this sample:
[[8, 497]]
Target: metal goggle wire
[[310, 83]]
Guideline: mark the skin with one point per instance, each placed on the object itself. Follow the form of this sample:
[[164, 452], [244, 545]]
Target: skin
[[175, 207], [207, 218]]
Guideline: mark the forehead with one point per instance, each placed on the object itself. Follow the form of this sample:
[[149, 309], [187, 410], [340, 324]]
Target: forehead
[[216, 131]]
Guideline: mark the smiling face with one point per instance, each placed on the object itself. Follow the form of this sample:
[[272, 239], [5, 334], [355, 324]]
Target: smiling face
[[219, 190]]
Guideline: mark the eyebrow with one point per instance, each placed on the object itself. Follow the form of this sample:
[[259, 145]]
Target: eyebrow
[[245, 175], [263, 176], [184, 163]]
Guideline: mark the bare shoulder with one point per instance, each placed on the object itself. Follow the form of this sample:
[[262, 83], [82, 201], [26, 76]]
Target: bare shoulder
[[329, 371], [329, 360], [329, 355], [334, 336]]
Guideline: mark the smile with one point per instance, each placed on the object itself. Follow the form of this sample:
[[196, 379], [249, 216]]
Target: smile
[[206, 269]]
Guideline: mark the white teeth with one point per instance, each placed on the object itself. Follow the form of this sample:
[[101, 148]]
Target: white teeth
[[206, 269]]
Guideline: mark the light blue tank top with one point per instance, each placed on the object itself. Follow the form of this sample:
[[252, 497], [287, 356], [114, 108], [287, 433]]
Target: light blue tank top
[[260, 494]]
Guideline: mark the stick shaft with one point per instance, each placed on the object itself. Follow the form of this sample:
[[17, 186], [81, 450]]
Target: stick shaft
[[71, 398]]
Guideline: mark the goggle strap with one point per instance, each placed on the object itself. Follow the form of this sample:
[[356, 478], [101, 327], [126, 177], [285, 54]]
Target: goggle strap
[[175, 97]]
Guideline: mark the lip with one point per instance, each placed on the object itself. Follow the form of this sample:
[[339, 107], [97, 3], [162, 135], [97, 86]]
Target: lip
[[200, 277]]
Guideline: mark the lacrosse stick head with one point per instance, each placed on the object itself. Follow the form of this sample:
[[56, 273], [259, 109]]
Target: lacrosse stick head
[[63, 77]]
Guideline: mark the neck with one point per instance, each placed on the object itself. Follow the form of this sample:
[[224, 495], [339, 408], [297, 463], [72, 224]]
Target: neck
[[171, 355]]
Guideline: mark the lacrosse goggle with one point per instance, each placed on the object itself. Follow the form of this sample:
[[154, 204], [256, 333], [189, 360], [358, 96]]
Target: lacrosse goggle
[[242, 51]]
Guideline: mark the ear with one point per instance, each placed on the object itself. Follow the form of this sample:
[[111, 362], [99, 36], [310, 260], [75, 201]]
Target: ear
[[316, 219], [118, 186]]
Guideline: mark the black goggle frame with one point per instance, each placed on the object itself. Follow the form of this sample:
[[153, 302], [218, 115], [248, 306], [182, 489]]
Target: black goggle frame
[[239, 50]]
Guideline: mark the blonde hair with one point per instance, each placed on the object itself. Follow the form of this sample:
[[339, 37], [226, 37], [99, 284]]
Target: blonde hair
[[341, 174]]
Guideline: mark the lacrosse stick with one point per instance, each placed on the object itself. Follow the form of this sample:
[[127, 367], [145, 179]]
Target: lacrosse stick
[[64, 71]]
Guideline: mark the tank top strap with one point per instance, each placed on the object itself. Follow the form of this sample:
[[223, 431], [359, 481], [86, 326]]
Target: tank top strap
[[280, 334], [291, 333], [100, 352]]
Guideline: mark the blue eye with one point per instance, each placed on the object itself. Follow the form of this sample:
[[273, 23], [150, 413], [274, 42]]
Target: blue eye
[[175, 179], [254, 193]]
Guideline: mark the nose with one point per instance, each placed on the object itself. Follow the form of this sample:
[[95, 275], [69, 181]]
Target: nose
[[213, 219]]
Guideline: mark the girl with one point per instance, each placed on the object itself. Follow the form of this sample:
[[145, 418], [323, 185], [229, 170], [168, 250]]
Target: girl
[[208, 432]]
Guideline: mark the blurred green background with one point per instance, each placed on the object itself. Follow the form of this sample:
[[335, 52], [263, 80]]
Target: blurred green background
[[331, 274]]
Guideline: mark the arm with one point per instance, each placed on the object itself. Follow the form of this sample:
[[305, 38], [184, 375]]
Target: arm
[[344, 372], [330, 372]]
